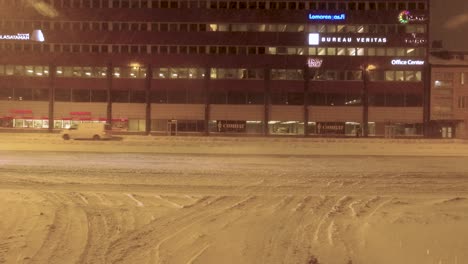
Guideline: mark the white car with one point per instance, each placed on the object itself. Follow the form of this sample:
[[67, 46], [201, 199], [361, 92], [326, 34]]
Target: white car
[[95, 131]]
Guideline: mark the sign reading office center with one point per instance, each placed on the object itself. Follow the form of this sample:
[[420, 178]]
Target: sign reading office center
[[36, 35], [408, 62], [315, 39]]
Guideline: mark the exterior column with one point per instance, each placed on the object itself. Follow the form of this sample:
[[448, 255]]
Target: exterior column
[[52, 72], [426, 77], [266, 103], [149, 77], [306, 100], [206, 84], [110, 76], [365, 102]]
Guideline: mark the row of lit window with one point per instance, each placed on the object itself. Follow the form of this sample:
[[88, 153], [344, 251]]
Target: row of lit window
[[223, 4], [199, 73], [217, 27], [214, 50]]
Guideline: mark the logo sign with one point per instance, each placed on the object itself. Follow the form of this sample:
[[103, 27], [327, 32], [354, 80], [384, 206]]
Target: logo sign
[[231, 126], [337, 17], [408, 62], [415, 41], [335, 128], [315, 39], [314, 62], [406, 17], [36, 35]]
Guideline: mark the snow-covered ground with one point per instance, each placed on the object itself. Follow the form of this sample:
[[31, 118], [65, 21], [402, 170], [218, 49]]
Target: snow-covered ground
[[146, 199]]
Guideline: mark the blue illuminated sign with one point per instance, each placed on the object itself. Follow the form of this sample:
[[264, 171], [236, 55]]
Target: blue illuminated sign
[[327, 17]]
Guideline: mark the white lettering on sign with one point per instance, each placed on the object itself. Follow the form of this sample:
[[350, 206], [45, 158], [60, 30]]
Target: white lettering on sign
[[36, 35], [314, 62], [407, 62], [19, 36], [327, 17], [315, 39]]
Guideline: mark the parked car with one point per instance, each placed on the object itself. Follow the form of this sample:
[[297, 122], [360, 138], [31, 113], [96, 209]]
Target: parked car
[[95, 131]]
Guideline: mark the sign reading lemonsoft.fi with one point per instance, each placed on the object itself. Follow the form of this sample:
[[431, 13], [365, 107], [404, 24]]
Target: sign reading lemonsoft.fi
[[407, 62], [333, 17], [36, 35], [316, 39]]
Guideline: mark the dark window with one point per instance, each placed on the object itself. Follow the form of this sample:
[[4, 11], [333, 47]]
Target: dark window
[[336, 99], [411, 6], [372, 6], [137, 96], [63, 95], [332, 6], [41, 94], [218, 96], [6, 93], [255, 98], [322, 6], [318, 99], [421, 6], [394, 100], [232, 5], [377, 100], [381, 6], [177, 96], [236, 97], [196, 96], [361, 6], [414, 100], [98, 95], [295, 98], [401, 6], [80, 95], [120, 96], [23, 94], [158, 96]]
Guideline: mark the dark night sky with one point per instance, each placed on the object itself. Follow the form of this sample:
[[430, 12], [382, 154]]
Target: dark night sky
[[449, 22]]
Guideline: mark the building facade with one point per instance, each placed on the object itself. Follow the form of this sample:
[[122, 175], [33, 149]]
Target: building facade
[[328, 67], [449, 95]]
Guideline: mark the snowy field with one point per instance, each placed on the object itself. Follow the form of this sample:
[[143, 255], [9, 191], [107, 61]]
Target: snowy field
[[189, 200]]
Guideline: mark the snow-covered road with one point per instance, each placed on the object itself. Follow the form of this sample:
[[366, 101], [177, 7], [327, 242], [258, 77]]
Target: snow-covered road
[[198, 200]]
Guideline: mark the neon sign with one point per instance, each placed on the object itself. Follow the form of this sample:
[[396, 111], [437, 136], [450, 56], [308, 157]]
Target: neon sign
[[315, 39], [339, 17], [407, 62], [36, 35], [405, 17], [314, 62]]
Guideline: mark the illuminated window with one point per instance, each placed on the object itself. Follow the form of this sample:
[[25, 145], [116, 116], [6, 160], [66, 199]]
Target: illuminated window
[[312, 51], [389, 76], [331, 51], [341, 52]]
